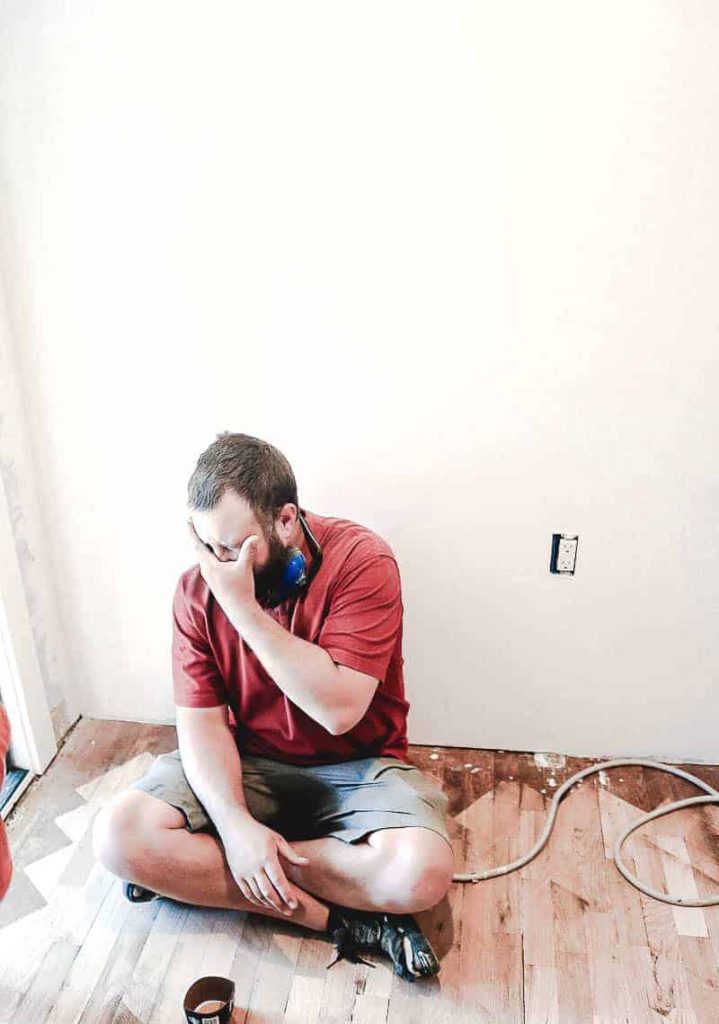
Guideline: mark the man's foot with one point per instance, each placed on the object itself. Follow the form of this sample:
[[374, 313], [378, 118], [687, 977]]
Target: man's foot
[[398, 935], [138, 894]]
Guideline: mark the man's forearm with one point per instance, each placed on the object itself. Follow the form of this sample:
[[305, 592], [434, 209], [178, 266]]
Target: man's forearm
[[301, 669], [213, 768]]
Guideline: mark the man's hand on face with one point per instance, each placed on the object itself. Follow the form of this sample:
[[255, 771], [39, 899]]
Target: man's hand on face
[[231, 582]]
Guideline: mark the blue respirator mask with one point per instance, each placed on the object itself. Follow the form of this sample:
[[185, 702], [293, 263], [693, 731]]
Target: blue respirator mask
[[292, 578]]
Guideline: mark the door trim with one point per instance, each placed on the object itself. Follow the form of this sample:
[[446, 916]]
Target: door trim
[[32, 741]]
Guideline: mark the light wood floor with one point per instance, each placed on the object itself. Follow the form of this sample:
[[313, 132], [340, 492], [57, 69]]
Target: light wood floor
[[564, 939]]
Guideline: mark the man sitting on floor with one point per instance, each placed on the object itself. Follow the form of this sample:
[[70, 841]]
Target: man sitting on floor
[[291, 723]]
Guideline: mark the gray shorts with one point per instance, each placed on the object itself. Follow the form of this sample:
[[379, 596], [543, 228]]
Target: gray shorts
[[346, 799]]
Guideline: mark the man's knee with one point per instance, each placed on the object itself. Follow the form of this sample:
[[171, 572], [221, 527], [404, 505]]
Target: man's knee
[[416, 879], [122, 830]]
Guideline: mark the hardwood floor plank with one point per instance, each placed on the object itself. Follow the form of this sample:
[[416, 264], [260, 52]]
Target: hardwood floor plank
[[680, 882], [585, 846], [182, 965], [700, 973], [304, 1003], [662, 936], [541, 997], [493, 980], [139, 1000], [537, 910], [116, 976], [504, 832], [38, 1000], [91, 960], [225, 929], [574, 997], [368, 1009]]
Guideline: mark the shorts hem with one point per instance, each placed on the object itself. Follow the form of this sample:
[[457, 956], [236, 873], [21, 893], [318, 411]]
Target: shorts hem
[[355, 835], [193, 821]]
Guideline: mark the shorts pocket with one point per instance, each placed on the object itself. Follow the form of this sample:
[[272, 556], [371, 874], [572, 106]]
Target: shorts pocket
[[383, 764], [426, 788]]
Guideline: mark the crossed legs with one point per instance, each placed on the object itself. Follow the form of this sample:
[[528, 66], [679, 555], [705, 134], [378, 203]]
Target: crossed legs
[[144, 840]]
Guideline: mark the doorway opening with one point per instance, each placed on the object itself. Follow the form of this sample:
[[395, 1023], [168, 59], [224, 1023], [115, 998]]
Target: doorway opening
[[13, 780]]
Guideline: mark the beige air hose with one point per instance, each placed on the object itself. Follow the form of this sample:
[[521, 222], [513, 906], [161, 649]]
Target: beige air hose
[[712, 798]]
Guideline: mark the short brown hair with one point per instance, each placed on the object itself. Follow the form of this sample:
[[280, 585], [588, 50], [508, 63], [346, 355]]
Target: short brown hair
[[253, 468]]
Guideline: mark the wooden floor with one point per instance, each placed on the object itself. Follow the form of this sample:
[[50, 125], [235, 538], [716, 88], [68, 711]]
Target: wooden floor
[[564, 939]]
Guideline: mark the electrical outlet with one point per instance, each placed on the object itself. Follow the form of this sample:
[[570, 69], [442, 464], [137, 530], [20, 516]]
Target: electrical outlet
[[564, 553]]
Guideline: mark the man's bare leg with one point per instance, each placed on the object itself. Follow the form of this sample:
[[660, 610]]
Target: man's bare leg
[[345, 873], [191, 867], [200, 876]]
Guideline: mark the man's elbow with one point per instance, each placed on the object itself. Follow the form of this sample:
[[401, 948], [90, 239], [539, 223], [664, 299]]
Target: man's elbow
[[345, 724]]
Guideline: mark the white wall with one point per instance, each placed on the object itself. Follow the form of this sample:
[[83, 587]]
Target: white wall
[[36, 684], [458, 261]]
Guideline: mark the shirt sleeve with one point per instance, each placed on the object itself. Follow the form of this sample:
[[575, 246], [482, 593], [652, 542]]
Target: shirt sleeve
[[365, 615], [196, 679]]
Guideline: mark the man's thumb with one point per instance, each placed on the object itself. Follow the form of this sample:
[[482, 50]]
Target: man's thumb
[[292, 854], [249, 547]]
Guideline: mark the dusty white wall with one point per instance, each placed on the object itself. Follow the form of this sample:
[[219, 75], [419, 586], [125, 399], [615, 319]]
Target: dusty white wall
[[457, 261], [28, 599]]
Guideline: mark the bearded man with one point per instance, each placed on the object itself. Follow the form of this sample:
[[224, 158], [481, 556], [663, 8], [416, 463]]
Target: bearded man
[[290, 793]]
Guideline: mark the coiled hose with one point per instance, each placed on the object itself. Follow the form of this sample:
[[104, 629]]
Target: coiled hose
[[712, 798]]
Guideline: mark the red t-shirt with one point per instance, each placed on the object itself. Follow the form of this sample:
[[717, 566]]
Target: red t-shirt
[[352, 608]]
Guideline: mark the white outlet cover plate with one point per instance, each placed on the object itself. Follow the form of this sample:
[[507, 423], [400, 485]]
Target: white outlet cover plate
[[567, 554]]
